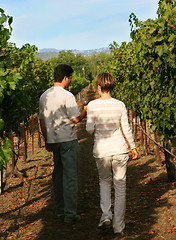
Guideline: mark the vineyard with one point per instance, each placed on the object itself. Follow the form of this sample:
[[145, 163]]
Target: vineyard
[[144, 69], [27, 203], [145, 72]]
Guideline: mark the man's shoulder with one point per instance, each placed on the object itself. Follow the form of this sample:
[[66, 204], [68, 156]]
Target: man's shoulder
[[45, 92], [67, 92]]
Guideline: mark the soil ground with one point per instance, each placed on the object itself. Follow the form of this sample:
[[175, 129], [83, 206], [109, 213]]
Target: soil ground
[[27, 209]]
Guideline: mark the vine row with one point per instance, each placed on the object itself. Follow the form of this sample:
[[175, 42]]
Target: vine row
[[145, 72]]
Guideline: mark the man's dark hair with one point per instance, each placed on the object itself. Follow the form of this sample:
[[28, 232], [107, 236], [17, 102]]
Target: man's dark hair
[[61, 71]]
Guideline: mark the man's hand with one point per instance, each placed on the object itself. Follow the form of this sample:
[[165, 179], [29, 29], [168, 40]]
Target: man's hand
[[85, 108], [80, 117]]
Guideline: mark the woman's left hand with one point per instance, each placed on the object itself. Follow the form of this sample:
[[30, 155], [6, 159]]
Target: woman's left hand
[[134, 153]]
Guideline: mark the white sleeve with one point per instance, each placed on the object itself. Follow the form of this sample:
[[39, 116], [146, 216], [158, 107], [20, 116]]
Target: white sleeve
[[90, 120], [41, 109], [72, 107], [126, 128]]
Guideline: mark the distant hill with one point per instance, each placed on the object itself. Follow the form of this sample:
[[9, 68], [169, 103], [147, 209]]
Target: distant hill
[[48, 50], [47, 53]]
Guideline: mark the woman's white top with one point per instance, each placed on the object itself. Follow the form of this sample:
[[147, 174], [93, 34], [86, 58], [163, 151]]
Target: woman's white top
[[107, 119]]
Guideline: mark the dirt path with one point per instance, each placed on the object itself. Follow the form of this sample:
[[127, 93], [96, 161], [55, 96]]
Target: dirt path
[[27, 205]]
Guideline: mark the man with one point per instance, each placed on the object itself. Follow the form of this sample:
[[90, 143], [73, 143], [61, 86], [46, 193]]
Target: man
[[58, 114]]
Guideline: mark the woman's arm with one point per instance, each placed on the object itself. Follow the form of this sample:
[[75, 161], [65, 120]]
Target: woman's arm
[[90, 120], [128, 133]]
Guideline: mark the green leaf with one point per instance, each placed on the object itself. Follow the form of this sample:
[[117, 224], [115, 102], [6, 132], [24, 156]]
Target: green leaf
[[3, 18], [158, 38], [1, 124], [6, 33], [175, 114], [1, 97], [12, 85], [159, 50], [17, 76], [138, 47], [7, 154], [165, 48], [10, 20], [172, 38], [1, 10], [2, 72], [7, 143], [3, 83]]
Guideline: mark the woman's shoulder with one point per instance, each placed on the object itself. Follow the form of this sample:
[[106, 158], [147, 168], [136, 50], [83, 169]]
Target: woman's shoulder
[[93, 102], [117, 101]]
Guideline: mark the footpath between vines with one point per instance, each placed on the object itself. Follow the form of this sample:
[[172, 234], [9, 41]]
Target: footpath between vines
[[27, 204]]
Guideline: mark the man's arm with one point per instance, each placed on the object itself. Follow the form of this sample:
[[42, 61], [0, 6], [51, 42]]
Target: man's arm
[[43, 129], [80, 117]]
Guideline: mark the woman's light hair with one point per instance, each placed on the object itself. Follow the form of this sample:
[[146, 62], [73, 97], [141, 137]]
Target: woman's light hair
[[106, 81]]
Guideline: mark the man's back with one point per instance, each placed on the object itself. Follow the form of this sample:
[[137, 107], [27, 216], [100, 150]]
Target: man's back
[[57, 107]]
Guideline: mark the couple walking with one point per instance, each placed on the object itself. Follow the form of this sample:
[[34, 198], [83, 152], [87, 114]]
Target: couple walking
[[58, 114]]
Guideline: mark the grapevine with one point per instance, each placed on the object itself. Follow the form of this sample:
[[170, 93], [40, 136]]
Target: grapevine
[[145, 71], [23, 78]]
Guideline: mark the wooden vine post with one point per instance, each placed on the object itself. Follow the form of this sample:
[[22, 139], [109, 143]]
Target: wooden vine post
[[32, 122], [135, 126], [132, 122], [145, 138], [1, 181], [39, 136], [25, 142], [13, 155], [170, 145], [157, 147], [142, 135]]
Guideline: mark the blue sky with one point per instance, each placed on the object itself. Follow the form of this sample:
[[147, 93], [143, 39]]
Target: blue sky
[[74, 24]]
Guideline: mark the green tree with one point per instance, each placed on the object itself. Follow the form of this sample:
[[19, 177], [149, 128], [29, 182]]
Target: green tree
[[77, 84], [97, 62], [78, 62]]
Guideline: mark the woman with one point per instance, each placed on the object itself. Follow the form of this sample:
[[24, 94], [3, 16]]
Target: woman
[[107, 118]]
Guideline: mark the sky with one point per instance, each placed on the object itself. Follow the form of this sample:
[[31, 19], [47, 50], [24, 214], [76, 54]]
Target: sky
[[74, 24]]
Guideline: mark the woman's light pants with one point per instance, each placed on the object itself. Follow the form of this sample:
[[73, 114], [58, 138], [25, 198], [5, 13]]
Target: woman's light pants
[[113, 168]]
